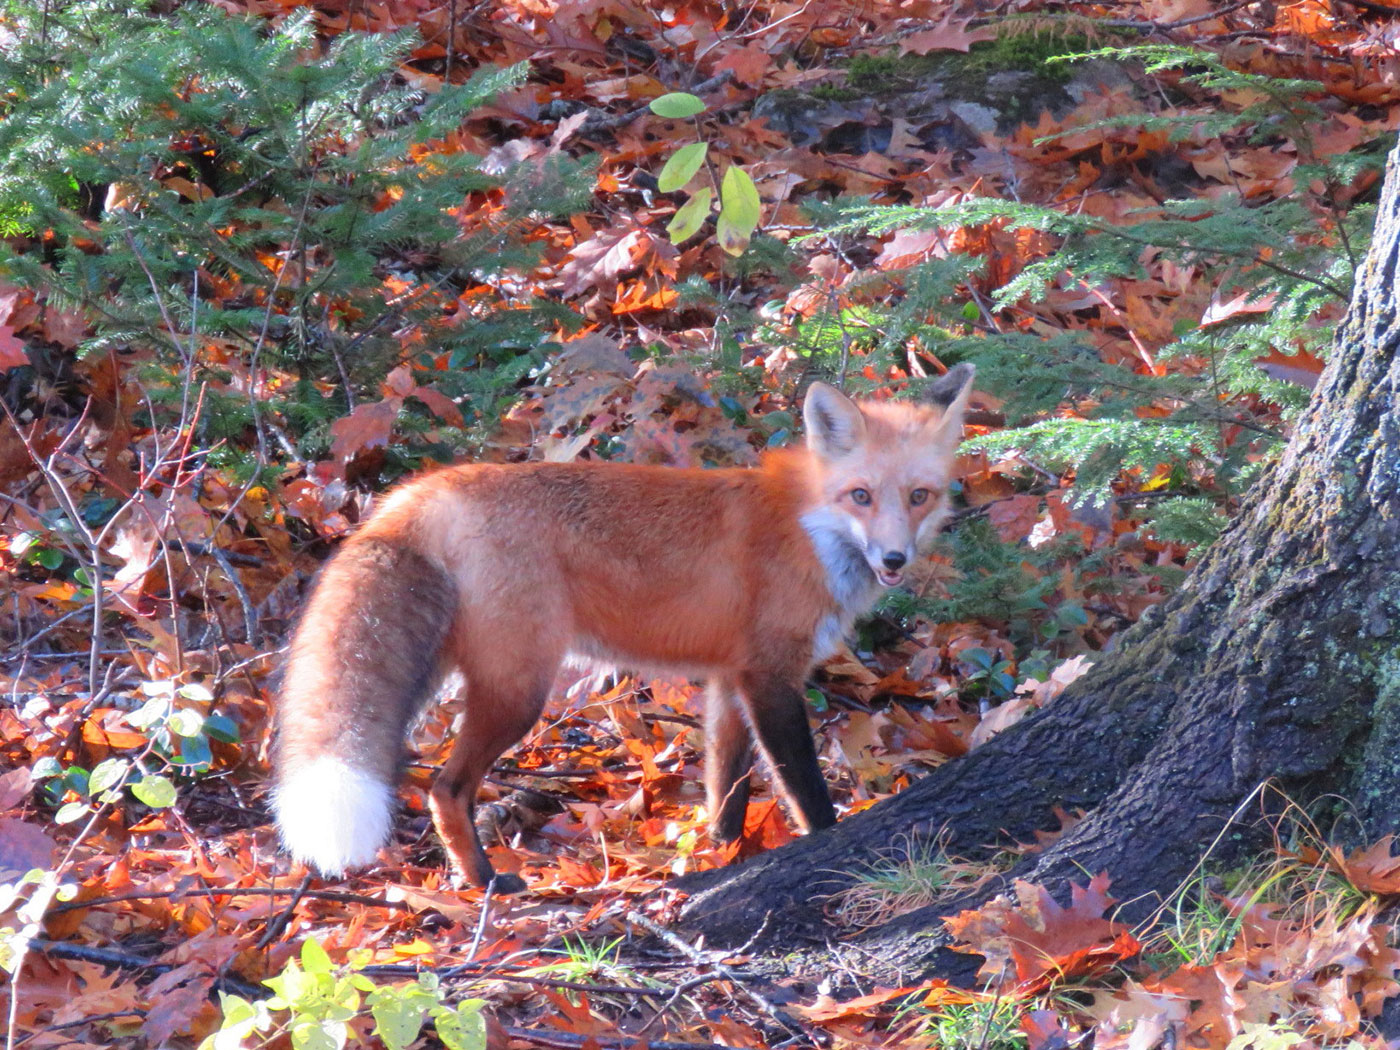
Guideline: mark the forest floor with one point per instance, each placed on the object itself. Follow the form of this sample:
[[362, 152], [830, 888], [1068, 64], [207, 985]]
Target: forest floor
[[147, 909]]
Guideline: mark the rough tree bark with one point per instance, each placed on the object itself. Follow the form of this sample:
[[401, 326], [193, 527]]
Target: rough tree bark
[[1274, 664]]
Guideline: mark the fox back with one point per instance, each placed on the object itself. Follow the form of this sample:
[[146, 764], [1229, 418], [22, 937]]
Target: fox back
[[743, 578]]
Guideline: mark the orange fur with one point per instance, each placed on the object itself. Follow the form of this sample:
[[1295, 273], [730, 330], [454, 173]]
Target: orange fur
[[741, 577]]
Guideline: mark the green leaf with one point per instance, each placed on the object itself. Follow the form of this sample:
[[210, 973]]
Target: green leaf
[[677, 105], [186, 722], [314, 958], [75, 778], [682, 166], [148, 714], [222, 728], [690, 216], [318, 1035], [236, 1009], [50, 558], [739, 209], [978, 657], [46, 767], [240, 1018], [107, 775], [346, 998], [194, 751], [156, 791], [733, 240], [70, 812], [739, 198], [397, 1021], [463, 1028], [197, 692]]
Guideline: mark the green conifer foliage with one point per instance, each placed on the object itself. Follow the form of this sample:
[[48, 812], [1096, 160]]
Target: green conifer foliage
[[235, 198], [1068, 409]]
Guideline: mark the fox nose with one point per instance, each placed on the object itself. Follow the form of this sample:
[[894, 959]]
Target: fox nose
[[894, 560]]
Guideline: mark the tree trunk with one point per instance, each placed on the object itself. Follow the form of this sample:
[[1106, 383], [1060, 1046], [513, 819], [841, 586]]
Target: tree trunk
[[1273, 666]]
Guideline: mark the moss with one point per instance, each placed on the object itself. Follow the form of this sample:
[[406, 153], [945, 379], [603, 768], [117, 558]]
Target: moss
[[836, 93], [871, 71], [1018, 49]]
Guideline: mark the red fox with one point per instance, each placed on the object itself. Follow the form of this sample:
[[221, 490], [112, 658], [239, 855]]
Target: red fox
[[741, 577]]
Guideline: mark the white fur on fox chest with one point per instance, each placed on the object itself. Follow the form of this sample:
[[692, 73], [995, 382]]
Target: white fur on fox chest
[[852, 582]]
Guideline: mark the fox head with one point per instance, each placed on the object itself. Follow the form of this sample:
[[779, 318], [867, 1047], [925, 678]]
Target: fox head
[[883, 468]]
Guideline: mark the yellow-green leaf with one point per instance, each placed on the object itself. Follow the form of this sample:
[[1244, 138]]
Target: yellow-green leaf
[[677, 105], [107, 774], [314, 958], [156, 791], [732, 239], [738, 210], [690, 216], [70, 811], [682, 166]]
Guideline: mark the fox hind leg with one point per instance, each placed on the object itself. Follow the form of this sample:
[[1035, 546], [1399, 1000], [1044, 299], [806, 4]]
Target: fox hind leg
[[498, 716], [728, 761]]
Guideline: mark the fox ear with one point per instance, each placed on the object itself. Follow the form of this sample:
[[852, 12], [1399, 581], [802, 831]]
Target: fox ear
[[951, 389], [834, 424], [950, 393]]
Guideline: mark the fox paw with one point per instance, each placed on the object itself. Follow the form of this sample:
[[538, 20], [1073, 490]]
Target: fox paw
[[506, 883], [502, 883]]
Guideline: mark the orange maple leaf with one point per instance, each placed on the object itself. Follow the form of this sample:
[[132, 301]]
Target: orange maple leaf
[[1039, 940], [1370, 870]]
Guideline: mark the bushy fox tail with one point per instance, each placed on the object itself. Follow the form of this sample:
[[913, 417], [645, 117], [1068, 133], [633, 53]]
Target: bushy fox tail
[[363, 661]]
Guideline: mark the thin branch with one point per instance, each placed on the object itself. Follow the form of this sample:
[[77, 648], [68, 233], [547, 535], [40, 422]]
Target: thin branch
[[1374, 8], [568, 1041], [592, 126], [740, 980], [246, 891], [223, 557], [127, 961], [62, 1026], [1162, 27], [280, 923]]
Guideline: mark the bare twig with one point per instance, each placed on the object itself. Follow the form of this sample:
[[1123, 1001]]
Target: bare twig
[[250, 614], [93, 543], [246, 891], [223, 557], [127, 961], [62, 1026], [568, 1040], [33, 911], [482, 919], [1375, 8], [277, 925], [742, 981], [619, 120]]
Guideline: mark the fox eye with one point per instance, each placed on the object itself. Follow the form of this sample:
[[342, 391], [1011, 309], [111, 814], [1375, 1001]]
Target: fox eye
[[918, 496], [861, 497]]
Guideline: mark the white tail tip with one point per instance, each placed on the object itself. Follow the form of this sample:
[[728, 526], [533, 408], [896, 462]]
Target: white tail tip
[[332, 816]]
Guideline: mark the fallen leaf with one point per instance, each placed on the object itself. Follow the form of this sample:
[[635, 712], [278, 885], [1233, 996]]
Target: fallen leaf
[[23, 847], [1038, 940], [946, 36], [12, 353]]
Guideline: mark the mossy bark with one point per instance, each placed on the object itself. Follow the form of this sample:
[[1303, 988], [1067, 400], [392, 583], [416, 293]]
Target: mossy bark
[[1270, 674]]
